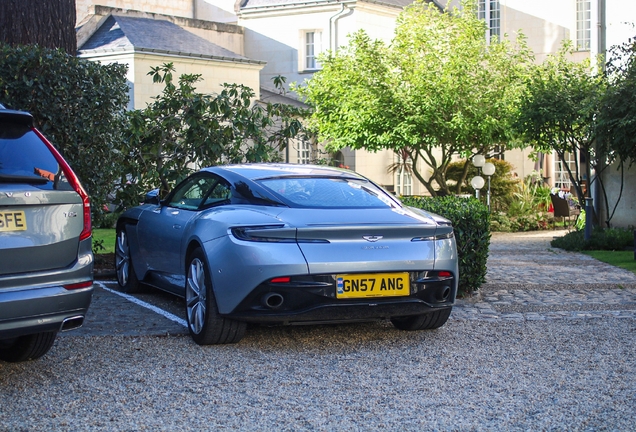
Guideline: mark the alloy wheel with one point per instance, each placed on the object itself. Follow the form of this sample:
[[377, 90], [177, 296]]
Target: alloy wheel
[[122, 258], [196, 296]]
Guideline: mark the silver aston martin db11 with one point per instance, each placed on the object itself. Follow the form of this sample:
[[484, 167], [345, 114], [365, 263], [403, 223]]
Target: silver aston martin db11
[[289, 244]]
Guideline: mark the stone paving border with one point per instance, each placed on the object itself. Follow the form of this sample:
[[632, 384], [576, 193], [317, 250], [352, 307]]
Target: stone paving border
[[528, 280]]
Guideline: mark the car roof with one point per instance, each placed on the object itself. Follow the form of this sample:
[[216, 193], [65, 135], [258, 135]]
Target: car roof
[[258, 171]]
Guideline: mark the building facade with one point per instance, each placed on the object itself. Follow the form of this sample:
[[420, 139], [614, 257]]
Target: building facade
[[270, 38]]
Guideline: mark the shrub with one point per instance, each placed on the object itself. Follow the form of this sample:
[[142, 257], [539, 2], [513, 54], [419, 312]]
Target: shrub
[[78, 105], [504, 222], [471, 223], [601, 239], [502, 184]]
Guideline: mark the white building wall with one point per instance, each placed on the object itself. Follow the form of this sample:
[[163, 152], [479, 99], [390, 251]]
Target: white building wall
[[278, 36], [180, 8], [213, 74], [625, 215], [209, 10]]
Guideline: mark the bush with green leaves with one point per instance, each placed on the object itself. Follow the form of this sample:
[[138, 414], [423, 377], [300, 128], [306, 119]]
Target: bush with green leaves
[[601, 239], [182, 130], [471, 223], [504, 222], [503, 184], [79, 105]]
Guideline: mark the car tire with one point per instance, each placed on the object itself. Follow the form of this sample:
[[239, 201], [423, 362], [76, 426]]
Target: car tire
[[126, 276], [205, 324], [29, 347], [427, 321]]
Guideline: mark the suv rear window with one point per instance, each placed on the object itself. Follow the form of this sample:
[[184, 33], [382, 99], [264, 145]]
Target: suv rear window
[[24, 158]]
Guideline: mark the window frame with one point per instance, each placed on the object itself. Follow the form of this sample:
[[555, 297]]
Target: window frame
[[304, 55], [583, 36], [182, 188], [490, 12]]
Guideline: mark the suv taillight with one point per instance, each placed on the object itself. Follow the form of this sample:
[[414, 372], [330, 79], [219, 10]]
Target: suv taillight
[[74, 182]]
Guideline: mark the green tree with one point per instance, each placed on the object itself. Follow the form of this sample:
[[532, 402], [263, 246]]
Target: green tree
[[558, 111], [617, 116], [49, 24], [437, 90], [183, 130], [616, 119], [78, 105]]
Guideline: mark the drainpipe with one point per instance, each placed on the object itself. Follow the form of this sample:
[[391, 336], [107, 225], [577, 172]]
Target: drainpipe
[[602, 51], [333, 32], [194, 9]]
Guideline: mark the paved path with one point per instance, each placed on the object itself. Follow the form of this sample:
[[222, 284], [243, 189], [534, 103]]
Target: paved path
[[528, 280]]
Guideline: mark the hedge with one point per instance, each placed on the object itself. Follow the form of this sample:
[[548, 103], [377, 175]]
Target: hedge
[[79, 105], [471, 223]]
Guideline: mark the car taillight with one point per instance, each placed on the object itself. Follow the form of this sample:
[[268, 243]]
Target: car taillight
[[285, 279], [444, 274], [271, 234], [75, 184], [79, 285]]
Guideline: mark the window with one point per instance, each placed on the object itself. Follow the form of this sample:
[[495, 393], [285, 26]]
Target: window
[[190, 194], [311, 47], [304, 152], [23, 156], [403, 182], [490, 11], [562, 178], [583, 20], [327, 192]]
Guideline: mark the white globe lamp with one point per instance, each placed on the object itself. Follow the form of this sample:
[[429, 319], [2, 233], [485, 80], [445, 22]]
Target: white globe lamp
[[488, 169], [479, 161], [477, 183]]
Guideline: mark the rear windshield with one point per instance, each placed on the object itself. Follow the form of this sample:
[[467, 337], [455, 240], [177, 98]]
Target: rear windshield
[[24, 158], [322, 192]]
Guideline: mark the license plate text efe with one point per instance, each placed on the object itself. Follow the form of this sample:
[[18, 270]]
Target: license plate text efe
[[12, 221], [372, 285]]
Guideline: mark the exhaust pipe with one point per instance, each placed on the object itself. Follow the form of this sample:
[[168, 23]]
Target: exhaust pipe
[[443, 294], [272, 300], [72, 323]]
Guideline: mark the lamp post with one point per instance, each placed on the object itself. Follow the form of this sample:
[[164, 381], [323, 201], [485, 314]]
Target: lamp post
[[477, 182], [489, 170]]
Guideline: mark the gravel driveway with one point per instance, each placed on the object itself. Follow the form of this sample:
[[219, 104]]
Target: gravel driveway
[[532, 370]]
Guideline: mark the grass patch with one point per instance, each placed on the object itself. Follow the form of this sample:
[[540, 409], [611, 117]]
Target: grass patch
[[622, 259], [106, 237]]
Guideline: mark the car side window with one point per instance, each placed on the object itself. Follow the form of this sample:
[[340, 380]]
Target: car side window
[[220, 193], [190, 194]]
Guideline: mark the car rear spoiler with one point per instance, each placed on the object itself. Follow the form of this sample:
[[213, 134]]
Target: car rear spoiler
[[20, 117]]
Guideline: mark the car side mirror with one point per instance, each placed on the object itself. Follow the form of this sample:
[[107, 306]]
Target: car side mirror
[[152, 197]]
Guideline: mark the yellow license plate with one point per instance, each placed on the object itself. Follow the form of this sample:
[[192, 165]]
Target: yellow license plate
[[372, 285], [14, 220]]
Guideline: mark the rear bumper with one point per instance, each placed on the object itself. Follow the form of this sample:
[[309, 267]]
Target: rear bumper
[[38, 302], [35, 310], [343, 312], [317, 303]]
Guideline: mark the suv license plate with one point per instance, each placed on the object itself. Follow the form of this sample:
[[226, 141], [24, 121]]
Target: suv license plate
[[14, 220], [372, 285]]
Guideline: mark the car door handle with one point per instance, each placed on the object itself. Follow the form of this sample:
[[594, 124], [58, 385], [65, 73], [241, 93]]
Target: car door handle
[[176, 226]]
